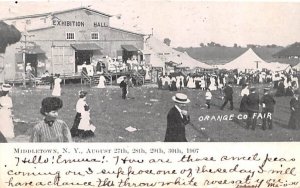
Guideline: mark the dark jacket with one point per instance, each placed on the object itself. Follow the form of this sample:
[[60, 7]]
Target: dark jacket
[[253, 102], [228, 91], [269, 102], [176, 126], [123, 85]]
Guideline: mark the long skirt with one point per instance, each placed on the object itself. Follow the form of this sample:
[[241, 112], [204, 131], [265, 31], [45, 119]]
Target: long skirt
[[78, 132], [243, 107], [6, 123], [56, 91], [294, 120]]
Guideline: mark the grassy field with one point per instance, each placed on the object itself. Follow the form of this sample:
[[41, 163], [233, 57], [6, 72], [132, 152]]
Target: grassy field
[[146, 111]]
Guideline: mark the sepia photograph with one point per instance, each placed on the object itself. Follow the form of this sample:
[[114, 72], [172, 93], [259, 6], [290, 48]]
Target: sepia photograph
[[149, 71]]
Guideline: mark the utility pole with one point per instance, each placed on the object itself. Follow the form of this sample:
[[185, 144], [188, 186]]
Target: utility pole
[[256, 64], [24, 57]]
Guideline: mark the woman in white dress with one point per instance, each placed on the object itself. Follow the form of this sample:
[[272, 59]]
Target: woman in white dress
[[101, 83], [212, 86], [57, 89], [6, 122], [82, 126], [191, 83]]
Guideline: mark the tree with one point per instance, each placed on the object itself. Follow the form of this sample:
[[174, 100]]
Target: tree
[[202, 44], [235, 45], [167, 41], [9, 34]]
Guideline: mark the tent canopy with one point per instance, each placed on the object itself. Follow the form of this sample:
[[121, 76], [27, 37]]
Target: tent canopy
[[297, 67], [276, 66], [129, 48], [86, 46], [248, 60], [165, 53]]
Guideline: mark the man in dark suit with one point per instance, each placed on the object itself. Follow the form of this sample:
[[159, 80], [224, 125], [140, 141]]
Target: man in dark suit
[[177, 119], [228, 91], [252, 106], [123, 86], [267, 101]]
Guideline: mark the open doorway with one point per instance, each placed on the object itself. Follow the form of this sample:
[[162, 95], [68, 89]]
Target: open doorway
[[32, 59], [82, 56]]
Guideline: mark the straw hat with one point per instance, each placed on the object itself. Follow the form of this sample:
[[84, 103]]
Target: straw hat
[[181, 98], [6, 87]]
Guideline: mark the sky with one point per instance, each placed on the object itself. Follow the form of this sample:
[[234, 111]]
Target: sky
[[187, 23]]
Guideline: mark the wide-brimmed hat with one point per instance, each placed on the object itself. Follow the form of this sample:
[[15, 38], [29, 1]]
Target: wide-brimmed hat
[[181, 98], [51, 103], [266, 89], [6, 87]]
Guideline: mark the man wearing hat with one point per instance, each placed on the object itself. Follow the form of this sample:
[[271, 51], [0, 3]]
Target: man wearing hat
[[267, 101], [228, 91], [177, 119], [295, 111], [124, 87], [252, 106]]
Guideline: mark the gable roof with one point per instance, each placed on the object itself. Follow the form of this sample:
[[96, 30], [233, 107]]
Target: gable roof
[[122, 30], [291, 50], [56, 13], [248, 60]]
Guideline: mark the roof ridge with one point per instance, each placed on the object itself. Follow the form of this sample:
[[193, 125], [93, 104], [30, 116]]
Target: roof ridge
[[53, 13]]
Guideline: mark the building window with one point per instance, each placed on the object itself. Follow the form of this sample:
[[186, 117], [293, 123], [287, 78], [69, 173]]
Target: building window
[[95, 36], [70, 36]]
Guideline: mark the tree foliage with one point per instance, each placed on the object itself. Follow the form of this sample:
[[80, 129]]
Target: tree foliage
[[9, 34]]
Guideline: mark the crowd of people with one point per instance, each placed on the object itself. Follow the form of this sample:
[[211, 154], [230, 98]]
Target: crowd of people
[[51, 129], [285, 84]]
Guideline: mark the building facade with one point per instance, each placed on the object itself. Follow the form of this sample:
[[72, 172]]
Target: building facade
[[60, 42]]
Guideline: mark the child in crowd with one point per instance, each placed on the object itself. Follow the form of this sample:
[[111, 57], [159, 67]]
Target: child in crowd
[[208, 97]]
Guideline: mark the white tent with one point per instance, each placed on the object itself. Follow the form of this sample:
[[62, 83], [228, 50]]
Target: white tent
[[163, 52], [297, 67], [188, 61], [276, 67], [248, 60], [156, 61]]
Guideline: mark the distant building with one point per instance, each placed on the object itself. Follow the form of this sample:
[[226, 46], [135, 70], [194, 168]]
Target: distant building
[[62, 41]]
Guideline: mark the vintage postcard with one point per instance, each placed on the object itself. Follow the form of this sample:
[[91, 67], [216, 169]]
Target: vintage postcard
[[95, 93]]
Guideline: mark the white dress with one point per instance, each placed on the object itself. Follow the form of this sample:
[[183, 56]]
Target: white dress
[[191, 83], [84, 123], [202, 82], [178, 82], [212, 85], [101, 83], [57, 89], [6, 123]]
